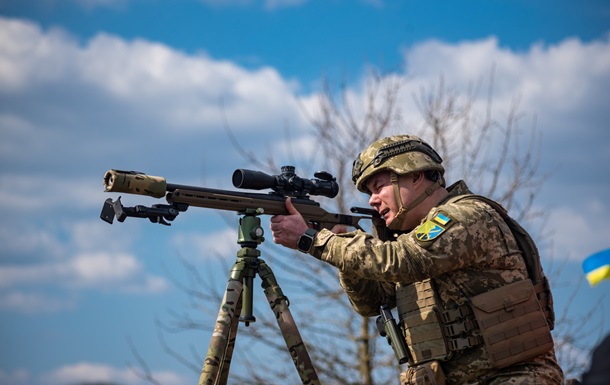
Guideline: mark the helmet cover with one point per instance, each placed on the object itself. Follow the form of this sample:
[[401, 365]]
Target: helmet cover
[[402, 154]]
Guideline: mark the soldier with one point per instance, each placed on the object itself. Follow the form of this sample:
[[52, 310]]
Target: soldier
[[473, 303]]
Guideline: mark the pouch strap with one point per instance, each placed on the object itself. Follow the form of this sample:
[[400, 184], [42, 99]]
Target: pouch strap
[[453, 315], [457, 328], [543, 292], [458, 344]]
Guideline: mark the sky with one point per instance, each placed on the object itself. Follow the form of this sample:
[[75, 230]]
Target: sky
[[89, 85]]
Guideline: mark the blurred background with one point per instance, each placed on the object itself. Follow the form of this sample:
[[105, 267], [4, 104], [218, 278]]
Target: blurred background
[[513, 94]]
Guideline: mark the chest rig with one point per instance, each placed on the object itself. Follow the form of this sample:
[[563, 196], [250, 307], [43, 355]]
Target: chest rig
[[512, 322]]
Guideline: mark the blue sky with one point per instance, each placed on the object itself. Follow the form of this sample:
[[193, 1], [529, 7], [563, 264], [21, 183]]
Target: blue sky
[[88, 85]]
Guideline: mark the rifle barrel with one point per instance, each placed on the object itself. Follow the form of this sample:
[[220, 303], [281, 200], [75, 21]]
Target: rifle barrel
[[134, 182]]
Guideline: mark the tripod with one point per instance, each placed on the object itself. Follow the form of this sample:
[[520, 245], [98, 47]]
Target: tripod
[[237, 305]]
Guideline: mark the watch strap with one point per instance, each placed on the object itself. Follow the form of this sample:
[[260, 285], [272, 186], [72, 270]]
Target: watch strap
[[305, 243]]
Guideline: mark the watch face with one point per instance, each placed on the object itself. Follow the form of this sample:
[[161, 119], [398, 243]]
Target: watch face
[[306, 240], [305, 243]]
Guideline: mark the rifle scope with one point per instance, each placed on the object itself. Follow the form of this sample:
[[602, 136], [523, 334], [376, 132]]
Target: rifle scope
[[287, 183]]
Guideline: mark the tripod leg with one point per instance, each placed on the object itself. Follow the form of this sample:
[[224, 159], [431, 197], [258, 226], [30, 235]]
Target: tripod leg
[[218, 359], [226, 364], [290, 332]]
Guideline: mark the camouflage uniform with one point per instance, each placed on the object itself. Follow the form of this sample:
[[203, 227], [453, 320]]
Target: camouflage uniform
[[477, 253]]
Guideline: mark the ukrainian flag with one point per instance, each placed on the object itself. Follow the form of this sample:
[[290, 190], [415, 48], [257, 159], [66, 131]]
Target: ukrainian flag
[[597, 267]]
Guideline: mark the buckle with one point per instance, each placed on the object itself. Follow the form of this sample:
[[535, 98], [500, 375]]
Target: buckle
[[449, 316], [357, 168], [457, 344], [455, 329]]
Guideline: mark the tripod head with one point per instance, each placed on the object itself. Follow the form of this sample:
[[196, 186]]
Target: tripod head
[[250, 233]]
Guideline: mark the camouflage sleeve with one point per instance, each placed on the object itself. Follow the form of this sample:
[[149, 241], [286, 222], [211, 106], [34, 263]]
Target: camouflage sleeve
[[449, 238], [365, 295]]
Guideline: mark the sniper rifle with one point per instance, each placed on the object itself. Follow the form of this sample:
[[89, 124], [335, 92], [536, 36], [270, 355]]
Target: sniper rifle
[[237, 302], [180, 197]]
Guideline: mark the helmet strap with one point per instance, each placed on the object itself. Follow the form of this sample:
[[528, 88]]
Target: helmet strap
[[398, 220]]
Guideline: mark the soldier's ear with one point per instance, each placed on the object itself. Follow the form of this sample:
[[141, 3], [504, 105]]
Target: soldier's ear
[[417, 176]]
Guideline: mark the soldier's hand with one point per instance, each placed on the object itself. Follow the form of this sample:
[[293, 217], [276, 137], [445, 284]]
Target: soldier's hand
[[339, 229], [287, 229]]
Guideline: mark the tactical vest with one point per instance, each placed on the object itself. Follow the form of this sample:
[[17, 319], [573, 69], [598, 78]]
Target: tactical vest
[[512, 322]]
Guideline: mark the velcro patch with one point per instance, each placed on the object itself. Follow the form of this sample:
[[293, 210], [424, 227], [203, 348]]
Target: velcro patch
[[441, 219], [429, 230]]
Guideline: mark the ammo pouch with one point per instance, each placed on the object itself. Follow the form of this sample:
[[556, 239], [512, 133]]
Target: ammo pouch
[[429, 373], [432, 332], [512, 324], [418, 309]]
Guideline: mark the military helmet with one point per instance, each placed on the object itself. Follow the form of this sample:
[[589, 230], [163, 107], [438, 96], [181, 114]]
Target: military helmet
[[402, 154]]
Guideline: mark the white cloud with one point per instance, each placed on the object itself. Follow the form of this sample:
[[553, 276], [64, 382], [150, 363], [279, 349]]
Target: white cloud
[[580, 233], [274, 4], [184, 91], [15, 377], [96, 268], [24, 49], [561, 89], [25, 240], [71, 110], [66, 256], [87, 372], [206, 246], [268, 4], [34, 303], [571, 356], [90, 4], [42, 193], [551, 79], [101, 270]]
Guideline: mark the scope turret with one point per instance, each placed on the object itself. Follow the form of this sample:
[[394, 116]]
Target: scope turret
[[287, 183]]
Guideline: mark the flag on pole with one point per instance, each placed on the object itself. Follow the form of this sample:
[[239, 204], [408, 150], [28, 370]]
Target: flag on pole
[[597, 267]]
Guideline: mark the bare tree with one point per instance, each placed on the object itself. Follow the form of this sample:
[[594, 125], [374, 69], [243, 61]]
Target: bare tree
[[495, 155]]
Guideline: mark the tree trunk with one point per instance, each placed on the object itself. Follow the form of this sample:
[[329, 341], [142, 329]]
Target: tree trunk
[[364, 353]]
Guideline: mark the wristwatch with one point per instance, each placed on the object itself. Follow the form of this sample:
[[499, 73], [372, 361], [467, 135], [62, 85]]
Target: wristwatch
[[306, 240]]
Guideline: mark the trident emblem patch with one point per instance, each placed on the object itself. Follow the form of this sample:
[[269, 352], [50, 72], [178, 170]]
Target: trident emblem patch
[[431, 229]]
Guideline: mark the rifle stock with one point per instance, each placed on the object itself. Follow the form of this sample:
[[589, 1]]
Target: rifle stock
[[180, 197]]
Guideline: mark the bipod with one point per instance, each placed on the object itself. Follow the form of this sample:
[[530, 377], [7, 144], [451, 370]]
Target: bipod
[[237, 305]]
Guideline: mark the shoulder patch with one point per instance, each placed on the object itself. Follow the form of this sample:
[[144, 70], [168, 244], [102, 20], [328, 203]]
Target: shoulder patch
[[441, 219], [429, 230]]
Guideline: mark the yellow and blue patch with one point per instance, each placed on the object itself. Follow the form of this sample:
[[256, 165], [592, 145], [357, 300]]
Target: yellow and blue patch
[[431, 229], [597, 267], [441, 219]]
